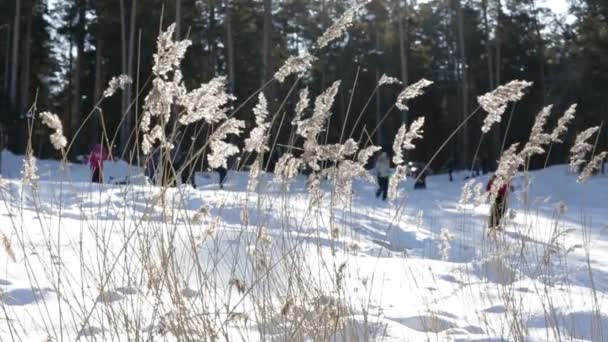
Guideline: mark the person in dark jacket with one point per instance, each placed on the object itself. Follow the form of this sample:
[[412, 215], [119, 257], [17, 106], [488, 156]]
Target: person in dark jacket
[[485, 164], [222, 172], [450, 167], [476, 167], [185, 167], [152, 165], [168, 166], [420, 179], [382, 168], [497, 211]]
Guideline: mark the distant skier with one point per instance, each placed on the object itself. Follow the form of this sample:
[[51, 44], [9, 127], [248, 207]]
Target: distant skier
[[485, 164], [162, 167], [222, 172], [497, 211], [185, 165], [98, 155], [450, 166], [382, 170], [476, 167], [420, 175]]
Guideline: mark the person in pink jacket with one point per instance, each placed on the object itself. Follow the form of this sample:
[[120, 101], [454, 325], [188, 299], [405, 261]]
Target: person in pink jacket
[[98, 155]]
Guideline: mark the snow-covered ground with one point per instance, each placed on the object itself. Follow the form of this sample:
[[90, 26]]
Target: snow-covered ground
[[127, 262]]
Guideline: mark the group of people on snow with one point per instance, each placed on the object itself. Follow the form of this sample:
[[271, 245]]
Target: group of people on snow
[[168, 167], [159, 169], [383, 172], [165, 169]]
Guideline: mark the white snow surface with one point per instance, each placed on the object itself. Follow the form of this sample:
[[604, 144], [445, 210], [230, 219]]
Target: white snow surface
[[403, 281]]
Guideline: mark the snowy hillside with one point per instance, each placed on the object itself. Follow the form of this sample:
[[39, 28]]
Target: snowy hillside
[[126, 262]]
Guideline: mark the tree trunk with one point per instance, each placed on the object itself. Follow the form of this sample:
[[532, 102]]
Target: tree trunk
[[76, 98], [379, 132], [70, 72], [266, 42], [26, 62], [403, 47], [498, 42], [486, 29], [212, 40], [178, 19], [15, 57], [464, 85], [124, 70], [494, 150], [128, 125], [540, 46], [7, 63], [229, 47], [97, 92], [497, 135]]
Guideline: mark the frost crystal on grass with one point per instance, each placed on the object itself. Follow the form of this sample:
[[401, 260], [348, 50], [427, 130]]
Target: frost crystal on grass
[[335, 152], [158, 103], [342, 178], [164, 92], [314, 189], [221, 150], [155, 104], [581, 148], [310, 128], [301, 106], [257, 138], [208, 102], [295, 65], [410, 92], [115, 83], [496, 101], [472, 193], [538, 138], [365, 154], [507, 167], [287, 167], [200, 215], [592, 166], [254, 173], [467, 193], [388, 80], [53, 122], [414, 132], [169, 53], [58, 140], [445, 238], [393, 183], [403, 141], [562, 124], [337, 29], [404, 138], [343, 175], [398, 145], [30, 171], [156, 134]]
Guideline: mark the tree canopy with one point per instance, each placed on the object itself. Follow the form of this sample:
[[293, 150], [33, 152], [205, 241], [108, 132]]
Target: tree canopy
[[60, 55]]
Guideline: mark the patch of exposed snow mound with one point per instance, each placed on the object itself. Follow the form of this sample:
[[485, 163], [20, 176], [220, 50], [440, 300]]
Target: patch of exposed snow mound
[[495, 270]]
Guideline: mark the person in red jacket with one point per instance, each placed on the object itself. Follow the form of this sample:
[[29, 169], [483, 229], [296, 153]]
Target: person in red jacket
[[98, 155], [499, 206]]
